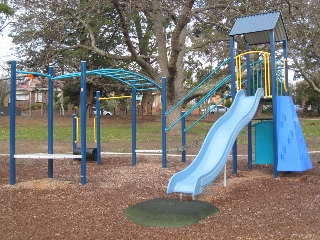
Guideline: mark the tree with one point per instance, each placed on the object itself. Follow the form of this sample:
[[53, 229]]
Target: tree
[[4, 91], [5, 13], [152, 36], [170, 38], [303, 30], [305, 93]]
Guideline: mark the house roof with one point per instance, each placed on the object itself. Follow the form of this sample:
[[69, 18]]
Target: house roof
[[256, 28]]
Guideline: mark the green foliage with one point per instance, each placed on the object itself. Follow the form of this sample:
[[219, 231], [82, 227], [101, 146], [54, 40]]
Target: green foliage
[[4, 91], [304, 92], [5, 9], [228, 103], [189, 105], [124, 103], [57, 101], [71, 93], [34, 106]]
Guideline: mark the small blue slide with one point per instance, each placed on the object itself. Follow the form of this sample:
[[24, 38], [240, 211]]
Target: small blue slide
[[216, 147]]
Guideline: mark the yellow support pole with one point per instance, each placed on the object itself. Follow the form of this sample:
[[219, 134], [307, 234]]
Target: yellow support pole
[[95, 129], [266, 76], [77, 129]]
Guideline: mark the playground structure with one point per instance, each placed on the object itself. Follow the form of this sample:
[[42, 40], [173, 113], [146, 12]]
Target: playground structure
[[266, 80], [136, 81], [92, 154], [288, 146]]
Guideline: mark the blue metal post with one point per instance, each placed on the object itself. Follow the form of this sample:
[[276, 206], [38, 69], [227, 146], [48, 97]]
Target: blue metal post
[[74, 133], [83, 108], [233, 91], [50, 122], [164, 121], [134, 125], [183, 137], [274, 103], [249, 93], [98, 127], [13, 123], [285, 56]]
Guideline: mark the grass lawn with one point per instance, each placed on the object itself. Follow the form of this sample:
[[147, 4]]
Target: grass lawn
[[117, 130]]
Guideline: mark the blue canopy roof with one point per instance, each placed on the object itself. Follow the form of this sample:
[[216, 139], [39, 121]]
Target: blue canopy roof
[[256, 28]]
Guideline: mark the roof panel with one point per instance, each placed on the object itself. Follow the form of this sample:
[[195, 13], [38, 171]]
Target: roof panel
[[256, 28]]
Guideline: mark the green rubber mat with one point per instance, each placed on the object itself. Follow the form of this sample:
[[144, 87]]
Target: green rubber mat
[[171, 213]]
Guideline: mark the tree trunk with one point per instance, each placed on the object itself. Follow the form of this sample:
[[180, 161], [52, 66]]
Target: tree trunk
[[171, 118], [89, 99], [146, 104]]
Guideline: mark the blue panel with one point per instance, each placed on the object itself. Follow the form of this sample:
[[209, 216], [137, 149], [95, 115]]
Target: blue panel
[[263, 142], [256, 28], [216, 148], [292, 149], [255, 23]]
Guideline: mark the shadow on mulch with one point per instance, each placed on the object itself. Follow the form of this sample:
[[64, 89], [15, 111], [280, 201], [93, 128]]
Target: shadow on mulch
[[170, 213]]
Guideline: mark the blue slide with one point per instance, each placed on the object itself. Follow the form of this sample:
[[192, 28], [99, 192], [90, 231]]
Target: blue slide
[[216, 147]]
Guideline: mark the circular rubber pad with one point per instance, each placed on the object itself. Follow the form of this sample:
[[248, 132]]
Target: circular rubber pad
[[168, 212]]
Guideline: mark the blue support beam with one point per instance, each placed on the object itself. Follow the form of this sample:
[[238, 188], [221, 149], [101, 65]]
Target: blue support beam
[[50, 121], [274, 102], [183, 137], [233, 90], [164, 121], [134, 125], [98, 127], [285, 56], [13, 122], [83, 122], [249, 93]]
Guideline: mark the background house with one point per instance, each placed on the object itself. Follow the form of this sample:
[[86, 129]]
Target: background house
[[32, 94]]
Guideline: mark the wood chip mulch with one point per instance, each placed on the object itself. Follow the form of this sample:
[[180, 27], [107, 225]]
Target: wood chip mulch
[[253, 205]]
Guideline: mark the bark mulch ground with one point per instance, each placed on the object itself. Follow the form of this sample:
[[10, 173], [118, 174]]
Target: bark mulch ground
[[253, 205]]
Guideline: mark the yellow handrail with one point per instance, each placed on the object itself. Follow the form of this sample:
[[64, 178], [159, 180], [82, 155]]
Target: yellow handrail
[[284, 75], [266, 63], [94, 129]]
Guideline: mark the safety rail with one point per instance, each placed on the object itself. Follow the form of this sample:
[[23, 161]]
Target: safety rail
[[225, 80], [261, 74], [201, 83], [281, 76], [209, 94], [205, 114], [265, 73]]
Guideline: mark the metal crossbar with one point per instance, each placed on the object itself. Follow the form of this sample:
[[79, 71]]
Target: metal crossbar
[[47, 156]]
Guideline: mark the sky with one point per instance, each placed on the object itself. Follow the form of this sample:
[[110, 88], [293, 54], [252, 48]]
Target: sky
[[6, 51]]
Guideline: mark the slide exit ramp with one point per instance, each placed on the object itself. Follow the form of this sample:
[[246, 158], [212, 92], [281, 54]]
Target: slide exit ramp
[[216, 147]]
